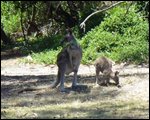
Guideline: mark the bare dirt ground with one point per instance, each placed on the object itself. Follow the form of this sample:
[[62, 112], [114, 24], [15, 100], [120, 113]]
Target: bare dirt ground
[[129, 101]]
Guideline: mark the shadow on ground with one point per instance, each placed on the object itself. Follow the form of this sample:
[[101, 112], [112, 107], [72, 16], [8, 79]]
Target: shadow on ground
[[88, 102], [11, 53], [10, 84]]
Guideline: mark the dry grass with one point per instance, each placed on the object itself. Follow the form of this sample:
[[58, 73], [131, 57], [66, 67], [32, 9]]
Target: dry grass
[[130, 101]]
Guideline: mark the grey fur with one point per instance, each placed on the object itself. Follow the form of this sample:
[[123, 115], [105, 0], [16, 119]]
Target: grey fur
[[68, 60], [104, 65]]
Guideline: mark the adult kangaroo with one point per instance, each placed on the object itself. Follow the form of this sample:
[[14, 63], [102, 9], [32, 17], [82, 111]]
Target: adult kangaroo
[[68, 60]]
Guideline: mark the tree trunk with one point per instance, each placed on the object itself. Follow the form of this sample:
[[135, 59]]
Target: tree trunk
[[21, 21], [6, 40]]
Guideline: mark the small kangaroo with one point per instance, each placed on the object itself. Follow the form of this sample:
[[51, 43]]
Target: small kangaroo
[[68, 60], [104, 65]]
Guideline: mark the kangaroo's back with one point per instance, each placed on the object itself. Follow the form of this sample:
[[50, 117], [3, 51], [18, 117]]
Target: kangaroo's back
[[103, 63]]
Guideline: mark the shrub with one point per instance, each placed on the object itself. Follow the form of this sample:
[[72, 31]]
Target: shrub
[[10, 19], [121, 36], [46, 57], [42, 43]]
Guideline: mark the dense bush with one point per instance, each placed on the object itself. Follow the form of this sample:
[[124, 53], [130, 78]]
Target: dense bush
[[122, 36], [47, 49], [42, 43], [46, 57], [10, 18]]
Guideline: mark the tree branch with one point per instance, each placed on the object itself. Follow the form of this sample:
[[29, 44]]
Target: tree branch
[[145, 5], [128, 8], [82, 25]]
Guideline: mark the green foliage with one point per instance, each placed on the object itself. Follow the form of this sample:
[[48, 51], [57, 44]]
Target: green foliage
[[42, 43], [10, 18], [46, 57], [49, 47], [143, 6], [43, 50], [121, 36], [137, 53]]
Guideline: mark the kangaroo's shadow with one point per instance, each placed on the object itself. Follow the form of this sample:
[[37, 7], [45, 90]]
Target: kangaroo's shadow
[[110, 84], [79, 89]]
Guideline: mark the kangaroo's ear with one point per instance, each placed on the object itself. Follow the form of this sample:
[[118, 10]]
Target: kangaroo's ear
[[116, 73]]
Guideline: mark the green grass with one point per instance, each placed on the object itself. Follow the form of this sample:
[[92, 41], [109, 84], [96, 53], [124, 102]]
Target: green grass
[[45, 57]]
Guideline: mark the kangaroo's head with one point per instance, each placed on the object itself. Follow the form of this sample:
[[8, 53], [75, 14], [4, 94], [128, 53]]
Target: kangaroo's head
[[115, 77], [68, 37]]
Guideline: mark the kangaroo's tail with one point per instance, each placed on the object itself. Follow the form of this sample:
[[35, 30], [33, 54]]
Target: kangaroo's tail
[[56, 82]]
